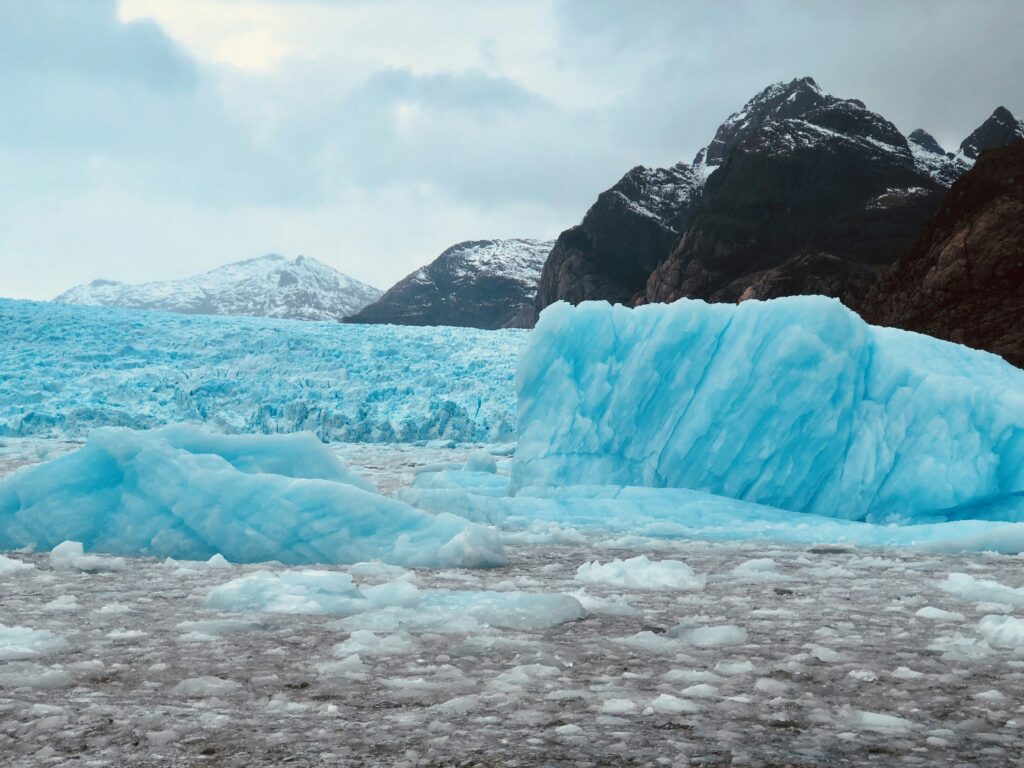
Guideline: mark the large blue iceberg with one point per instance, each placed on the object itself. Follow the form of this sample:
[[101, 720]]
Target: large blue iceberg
[[795, 403], [185, 493]]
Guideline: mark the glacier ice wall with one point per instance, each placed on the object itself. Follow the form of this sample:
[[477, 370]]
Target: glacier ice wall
[[183, 493], [69, 369], [794, 403]]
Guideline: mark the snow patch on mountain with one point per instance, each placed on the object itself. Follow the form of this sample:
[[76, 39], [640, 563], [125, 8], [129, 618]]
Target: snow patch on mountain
[[268, 286]]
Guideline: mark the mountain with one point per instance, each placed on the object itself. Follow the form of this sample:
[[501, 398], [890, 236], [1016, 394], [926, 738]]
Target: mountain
[[268, 286], [1001, 129], [798, 192], [964, 278], [476, 284], [810, 195], [622, 238]]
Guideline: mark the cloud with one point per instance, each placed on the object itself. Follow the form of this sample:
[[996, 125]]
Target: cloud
[[148, 138]]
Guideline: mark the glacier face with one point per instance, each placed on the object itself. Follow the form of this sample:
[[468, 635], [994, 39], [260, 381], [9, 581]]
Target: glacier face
[[68, 369], [184, 493], [795, 403], [268, 286]]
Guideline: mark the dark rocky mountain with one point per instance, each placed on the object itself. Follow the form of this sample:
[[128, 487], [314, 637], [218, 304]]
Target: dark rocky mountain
[[1000, 129], [813, 194], [478, 284], [964, 278], [798, 192], [622, 238]]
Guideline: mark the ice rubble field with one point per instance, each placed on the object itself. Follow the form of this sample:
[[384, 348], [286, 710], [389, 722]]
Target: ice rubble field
[[612, 625], [68, 369]]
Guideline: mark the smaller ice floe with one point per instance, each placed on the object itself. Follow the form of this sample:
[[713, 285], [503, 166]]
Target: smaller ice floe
[[392, 605], [708, 637], [641, 573], [968, 588], [759, 569], [938, 614], [70, 556], [205, 687], [667, 704], [1002, 631], [877, 721], [10, 566], [25, 674], [18, 643], [182, 492]]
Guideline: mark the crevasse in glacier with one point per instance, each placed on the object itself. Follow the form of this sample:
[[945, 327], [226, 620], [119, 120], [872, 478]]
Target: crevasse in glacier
[[185, 493], [794, 403]]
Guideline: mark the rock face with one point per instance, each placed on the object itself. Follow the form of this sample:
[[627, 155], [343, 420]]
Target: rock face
[[476, 284], [812, 194], [622, 238], [799, 192], [268, 286], [1001, 129], [964, 278]]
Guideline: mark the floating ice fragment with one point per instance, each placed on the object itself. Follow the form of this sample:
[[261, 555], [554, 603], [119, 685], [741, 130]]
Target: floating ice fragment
[[641, 573], [204, 687], [10, 566], [70, 556], [26, 643]]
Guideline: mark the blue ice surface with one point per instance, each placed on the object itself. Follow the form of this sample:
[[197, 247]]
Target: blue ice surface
[[795, 403], [181, 492], [65, 370], [637, 514]]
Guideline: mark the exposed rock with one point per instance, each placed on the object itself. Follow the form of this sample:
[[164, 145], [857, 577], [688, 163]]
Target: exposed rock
[[964, 278], [1001, 129], [476, 284]]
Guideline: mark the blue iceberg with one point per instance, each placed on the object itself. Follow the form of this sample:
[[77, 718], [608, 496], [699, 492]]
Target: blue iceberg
[[796, 404], [185, 493]]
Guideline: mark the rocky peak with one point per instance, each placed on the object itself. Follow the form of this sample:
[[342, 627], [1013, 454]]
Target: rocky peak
[[1000, 129], [924, 140]]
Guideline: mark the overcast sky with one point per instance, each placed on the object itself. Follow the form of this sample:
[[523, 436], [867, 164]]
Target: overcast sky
[[152, 139]]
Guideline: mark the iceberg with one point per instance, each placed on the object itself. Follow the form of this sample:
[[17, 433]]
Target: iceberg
[[795, 404], [184, 493]]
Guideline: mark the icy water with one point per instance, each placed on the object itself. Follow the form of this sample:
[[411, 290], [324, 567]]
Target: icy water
[[812, 656]]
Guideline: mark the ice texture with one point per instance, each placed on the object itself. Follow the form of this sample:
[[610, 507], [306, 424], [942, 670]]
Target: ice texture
[[391, 606], [794, 403], [184, 493], [67, 369]]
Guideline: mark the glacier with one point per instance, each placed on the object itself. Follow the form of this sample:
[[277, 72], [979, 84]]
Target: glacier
[[181, 492], [795, 404], [67, 369]]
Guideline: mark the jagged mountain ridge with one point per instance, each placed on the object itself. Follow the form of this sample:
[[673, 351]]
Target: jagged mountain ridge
[[267, 286], [798, 192], [477, 284]]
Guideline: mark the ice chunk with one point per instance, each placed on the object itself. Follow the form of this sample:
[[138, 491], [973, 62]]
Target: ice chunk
[[203, 687], [667, 704], [879, 721], [967, 587], [10, 566], [392, 605], [26, 643], [1002, 631], [185, 493], [794, 403], [641, 573], [708, 637], [938, 614], [70, 556]]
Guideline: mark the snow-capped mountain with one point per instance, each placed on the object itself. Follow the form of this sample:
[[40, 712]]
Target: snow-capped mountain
[[268, 286], [476, 284], [623, 236], [800, 191]]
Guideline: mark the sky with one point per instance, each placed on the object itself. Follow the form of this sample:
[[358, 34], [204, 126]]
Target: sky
[[154, 139]]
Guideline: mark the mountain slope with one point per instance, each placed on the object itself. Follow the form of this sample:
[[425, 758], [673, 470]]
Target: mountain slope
[[475, 284], [798, 192], [268, 286], [811, 195], [624, 235], [964, 278]]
